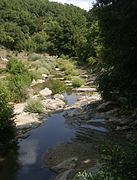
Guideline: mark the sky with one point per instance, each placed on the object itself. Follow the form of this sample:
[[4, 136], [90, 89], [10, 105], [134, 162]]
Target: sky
[[84, 4]]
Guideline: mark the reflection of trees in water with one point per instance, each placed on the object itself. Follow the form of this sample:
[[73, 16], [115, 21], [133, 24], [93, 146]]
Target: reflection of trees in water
[[9, 162]]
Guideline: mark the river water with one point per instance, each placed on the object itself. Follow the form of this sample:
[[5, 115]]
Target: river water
[[26, 161]]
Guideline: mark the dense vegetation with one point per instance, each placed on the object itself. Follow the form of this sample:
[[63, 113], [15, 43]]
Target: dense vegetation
[[113, 40], [7, 129], [42, 26], [104, 37], [118, 163]]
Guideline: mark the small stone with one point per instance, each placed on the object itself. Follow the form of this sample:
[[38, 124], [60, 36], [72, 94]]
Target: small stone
[[44, 76]]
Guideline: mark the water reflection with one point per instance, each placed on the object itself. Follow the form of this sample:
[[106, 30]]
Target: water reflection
[[28, 152]]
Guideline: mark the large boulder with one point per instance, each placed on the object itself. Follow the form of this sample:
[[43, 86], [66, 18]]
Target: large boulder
[[106, 106], [53, 104], [45, 92]]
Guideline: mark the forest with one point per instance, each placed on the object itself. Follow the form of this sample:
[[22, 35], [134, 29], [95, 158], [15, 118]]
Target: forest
[[102, 40], [102, 37]]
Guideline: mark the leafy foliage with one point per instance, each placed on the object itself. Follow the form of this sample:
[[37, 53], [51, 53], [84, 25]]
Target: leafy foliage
[[56, 86], [42, 26], [112, 39], [18, 81], [7, 129], [77, 82]]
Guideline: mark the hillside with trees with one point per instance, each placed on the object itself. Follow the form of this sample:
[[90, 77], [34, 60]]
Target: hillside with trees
[[42, 26]]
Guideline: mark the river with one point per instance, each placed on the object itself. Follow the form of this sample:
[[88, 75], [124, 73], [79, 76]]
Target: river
[[26, 161]]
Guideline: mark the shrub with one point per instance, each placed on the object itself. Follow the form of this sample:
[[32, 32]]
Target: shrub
[[68, 77], [64, 56], [75, 73], [65, 65], [34, 57], [4, 89], [16, 67], [77, 82], [18, 86], [37, 74], [119, 162], [56, 86], [34, 106], [19, 80], [7, 128]]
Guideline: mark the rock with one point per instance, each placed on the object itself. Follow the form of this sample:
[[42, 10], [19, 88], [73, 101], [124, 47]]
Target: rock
[[33, 82], [57, 69], [126, 128], [65, 175], [105, 106], [84, 75], [39, 81], [95, 168], [53, 104], [76, 112], [68, 81], [108, 115], [86, 89], [67, 164], [35, 97], [59, 96], [61, 78], [44, 76], [26, 120], [19, 108], [123, 121], [45, 92], [90, 82]]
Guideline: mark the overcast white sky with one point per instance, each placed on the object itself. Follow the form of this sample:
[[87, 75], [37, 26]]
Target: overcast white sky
[[84, 4]]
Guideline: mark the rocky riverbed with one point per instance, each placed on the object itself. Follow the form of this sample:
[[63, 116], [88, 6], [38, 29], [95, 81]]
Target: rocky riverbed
[[73, 126]]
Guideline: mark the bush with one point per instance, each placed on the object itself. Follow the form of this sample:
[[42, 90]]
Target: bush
[[4, 89], [119, 163], [37, 74], [7, 128], [18, 86], [57, 86], [16, 67], [77, 82], [34, 57], [19, 80], [75, 73], [34, 106], [65, 65], [68, 77]]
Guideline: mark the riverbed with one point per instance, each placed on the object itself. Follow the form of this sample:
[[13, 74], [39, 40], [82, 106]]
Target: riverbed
[[31, 158]]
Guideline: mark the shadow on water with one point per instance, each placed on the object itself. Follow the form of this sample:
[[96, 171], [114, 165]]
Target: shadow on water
[[9, 162]]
